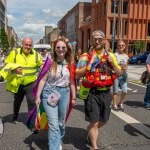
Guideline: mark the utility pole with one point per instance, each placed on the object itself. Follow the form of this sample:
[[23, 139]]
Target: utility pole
[[114, 26], [121, 20]]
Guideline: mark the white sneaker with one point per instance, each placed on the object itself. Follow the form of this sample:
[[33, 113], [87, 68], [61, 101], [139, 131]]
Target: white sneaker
[[60, 148]]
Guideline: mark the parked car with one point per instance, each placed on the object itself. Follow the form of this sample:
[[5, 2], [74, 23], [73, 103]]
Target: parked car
[[139, 59]]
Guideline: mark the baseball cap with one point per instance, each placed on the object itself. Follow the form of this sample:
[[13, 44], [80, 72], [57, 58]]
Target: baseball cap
[[98, 33]]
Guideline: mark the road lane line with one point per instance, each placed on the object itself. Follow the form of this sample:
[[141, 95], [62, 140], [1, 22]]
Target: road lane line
[[1, 128], [133, 122], [129, 89], [137, 84]]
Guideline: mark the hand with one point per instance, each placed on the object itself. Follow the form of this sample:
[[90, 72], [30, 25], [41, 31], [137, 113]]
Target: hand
[[18, 70], [73, 102], [110, 60], [37, 101]]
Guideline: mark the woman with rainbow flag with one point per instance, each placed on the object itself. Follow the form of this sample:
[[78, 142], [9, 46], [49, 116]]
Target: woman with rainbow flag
[[56, 90]]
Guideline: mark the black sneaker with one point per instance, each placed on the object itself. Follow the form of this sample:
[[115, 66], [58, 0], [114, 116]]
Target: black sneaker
[[15, 119]]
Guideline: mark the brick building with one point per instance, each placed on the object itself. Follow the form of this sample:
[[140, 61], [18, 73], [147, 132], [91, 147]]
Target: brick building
[[69, 25], [132, 23]]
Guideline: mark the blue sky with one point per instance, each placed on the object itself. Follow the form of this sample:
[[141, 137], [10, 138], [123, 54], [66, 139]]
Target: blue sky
[[29, 17]]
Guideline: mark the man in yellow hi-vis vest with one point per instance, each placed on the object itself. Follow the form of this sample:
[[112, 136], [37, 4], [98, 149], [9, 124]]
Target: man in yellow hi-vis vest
[[30, 61]]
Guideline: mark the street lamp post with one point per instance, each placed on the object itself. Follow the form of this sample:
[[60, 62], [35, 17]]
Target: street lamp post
[[114, 25], [121, 20]]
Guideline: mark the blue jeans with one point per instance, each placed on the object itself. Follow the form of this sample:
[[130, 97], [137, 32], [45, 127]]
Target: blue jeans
[[147, 95], [56, 116], [120, 82]]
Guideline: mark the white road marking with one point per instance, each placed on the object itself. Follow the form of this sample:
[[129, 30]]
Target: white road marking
[[129, 89], [1, 128], [2, 82], [133, 122], [137, 84]]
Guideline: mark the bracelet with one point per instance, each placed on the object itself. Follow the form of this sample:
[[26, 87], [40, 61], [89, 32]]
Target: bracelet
[[74, 99]]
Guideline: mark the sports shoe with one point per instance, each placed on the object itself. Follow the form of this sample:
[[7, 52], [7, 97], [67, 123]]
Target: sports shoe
[[120, 107], [15, 119], [114, 107]]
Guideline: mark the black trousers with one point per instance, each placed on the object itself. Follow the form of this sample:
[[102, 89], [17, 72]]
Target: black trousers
[[24, 90]]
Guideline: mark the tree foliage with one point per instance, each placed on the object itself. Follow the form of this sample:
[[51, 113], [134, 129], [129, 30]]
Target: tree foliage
[[4, 44], [140, 45], [12, 42]]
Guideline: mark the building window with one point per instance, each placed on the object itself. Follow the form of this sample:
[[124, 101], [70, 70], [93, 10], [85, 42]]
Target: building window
[[105, 8], [111, 27], [114, 6], [148, 31], [125, 7], [125, 25]]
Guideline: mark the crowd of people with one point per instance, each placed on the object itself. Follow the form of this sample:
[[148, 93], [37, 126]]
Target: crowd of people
[[56, 77]]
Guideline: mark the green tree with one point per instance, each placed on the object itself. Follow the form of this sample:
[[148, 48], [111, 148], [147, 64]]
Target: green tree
[[139, 45], [4, 40], [12, 42]]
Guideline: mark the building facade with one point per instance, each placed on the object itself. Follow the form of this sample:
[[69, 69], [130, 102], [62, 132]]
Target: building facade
[[69, 25], [3, 18], [127, 20]]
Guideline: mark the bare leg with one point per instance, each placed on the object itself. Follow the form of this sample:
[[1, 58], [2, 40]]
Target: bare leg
[[122, 97], [93, 133], [114, 99]]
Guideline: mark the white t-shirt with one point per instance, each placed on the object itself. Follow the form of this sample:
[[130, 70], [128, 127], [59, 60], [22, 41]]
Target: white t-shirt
[[62, 78], [122, 59]]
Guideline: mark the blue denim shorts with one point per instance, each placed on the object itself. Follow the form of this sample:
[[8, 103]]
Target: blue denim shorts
[[120, 83]]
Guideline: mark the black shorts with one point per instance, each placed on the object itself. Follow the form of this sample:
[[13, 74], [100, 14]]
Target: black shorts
[[98, 106]]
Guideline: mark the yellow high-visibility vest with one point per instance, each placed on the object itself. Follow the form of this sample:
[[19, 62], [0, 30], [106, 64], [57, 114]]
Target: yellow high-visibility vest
[[30, 63]]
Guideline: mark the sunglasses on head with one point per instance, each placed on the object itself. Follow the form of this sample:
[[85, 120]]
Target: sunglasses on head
[[59, 47]]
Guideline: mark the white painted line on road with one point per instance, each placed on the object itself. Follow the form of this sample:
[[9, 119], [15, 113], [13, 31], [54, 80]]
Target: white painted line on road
[[129, 89], [1, 128], [137, 84], [133, 122]]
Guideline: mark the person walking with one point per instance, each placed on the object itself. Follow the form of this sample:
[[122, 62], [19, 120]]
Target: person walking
[[30, 60], [54, 91], [96, 69], [44, 55], [120, 82], [147, 94]]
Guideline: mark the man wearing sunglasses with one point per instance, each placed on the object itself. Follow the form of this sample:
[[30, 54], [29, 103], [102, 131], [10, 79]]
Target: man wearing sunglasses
[[30, 60], [98, 69]]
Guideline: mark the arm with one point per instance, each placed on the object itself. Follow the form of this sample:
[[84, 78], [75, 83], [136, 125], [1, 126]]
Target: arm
[[80, 72], [148, 68], [73, 91], [114, 65], [40, 88]]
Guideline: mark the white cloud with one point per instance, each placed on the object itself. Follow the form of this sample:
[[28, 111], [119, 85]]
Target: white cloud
[[29, 17]]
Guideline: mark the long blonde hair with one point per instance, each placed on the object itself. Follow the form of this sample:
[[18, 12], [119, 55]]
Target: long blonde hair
[[68, 55]]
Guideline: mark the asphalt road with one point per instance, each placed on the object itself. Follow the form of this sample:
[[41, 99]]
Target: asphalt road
[[124, 131]]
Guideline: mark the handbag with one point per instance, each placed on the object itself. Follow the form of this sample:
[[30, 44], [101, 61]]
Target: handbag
[[144, 77], [53, 98]]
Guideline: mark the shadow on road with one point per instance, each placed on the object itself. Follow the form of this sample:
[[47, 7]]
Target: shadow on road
[[39, 140], [79, 107], [76, 137], [133, 131], [22, 118], [134, 104]]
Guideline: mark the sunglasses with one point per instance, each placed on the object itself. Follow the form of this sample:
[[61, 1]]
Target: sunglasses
[[121, 45], [59, 47], [98, 39]]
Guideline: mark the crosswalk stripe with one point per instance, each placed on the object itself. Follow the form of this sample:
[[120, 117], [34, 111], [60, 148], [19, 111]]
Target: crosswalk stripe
[[133, 122], [1, 128], [138, 84], [129, 89]]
